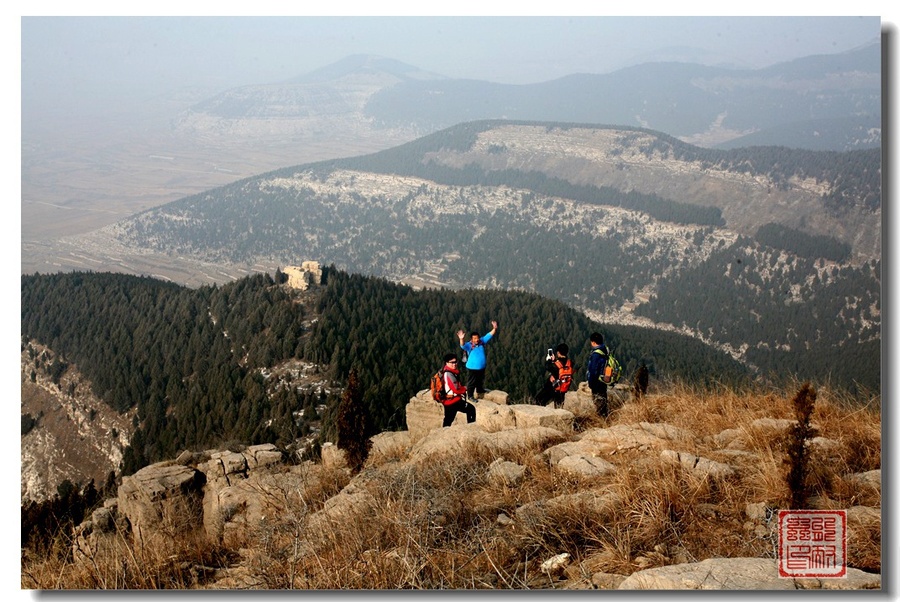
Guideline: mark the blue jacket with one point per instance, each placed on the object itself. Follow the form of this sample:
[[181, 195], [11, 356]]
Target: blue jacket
[[477, 359], [597, 362]]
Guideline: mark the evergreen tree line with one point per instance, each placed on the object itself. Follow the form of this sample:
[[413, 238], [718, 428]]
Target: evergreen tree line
[[808, 321]]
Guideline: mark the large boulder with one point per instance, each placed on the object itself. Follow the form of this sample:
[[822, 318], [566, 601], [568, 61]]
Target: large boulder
[[623, 437], [423, 414], [496, 396], [263, 496], [99, 532], [583, 465], [531, 416], [871, 479], [864, 543], [506, 473], [777, 425], [232, 495], [351, 505], [697, 465], [389, 444], [494, 417], [595, 443], [463, 439], [582, 448], [162, 502], [598, 503], [580, 402]]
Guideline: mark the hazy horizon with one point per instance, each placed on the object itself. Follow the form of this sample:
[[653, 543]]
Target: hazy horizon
[[97, 64]]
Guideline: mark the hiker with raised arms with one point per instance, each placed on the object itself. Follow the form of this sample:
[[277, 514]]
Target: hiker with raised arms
[[476, 362]]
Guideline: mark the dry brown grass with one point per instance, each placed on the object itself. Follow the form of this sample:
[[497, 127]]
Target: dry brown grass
[[447, 525], [180, 563]]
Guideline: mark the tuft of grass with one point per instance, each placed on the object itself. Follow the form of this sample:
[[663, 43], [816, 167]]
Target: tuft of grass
[[186, 562]]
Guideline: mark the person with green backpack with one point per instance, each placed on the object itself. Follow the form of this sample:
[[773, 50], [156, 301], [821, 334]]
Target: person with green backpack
[[597, 376]]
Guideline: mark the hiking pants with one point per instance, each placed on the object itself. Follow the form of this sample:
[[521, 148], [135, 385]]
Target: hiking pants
[[548, 395], [475, 382], [462, 405], [601, 402]]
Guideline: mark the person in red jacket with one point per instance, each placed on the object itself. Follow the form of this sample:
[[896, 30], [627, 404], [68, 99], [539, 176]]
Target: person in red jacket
[[454, 393]]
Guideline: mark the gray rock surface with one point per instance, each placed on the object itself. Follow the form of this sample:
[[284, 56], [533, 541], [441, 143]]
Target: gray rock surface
[[739, 574]]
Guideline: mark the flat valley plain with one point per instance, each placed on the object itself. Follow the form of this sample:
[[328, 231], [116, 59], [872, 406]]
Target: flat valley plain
[[79, 176]]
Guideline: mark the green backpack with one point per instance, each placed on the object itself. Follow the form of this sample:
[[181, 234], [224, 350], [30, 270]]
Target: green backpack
[[612, 371]]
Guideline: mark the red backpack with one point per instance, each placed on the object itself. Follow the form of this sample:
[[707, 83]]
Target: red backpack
[[437, 387], [564, 379]]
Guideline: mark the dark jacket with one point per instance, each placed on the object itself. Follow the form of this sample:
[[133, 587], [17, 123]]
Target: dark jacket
[[597, 363]]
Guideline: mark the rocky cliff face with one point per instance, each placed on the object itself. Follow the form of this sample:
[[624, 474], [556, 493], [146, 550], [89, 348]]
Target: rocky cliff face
[[616, 158], [67, 432]]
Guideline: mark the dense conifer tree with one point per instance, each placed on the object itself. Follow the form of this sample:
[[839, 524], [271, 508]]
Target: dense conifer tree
[[353, 429]]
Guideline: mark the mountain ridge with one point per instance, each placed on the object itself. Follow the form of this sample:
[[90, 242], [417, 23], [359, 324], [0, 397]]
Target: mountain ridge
[[686, 100], [547, 203]]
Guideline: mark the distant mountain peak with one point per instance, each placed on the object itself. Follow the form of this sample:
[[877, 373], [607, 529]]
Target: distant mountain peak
[[364, 63], [688, 54]]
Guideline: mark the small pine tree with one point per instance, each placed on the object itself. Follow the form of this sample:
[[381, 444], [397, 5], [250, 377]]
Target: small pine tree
[[353, 425], [797, 446], [641, 381]]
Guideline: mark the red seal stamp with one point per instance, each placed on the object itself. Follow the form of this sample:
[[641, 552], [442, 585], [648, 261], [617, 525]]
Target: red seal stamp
[[812, 543]]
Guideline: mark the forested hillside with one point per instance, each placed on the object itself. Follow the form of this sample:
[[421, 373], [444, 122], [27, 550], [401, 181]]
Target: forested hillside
[[188, 360], [784, 266], [798, 311], [196, 363], [396, 337]]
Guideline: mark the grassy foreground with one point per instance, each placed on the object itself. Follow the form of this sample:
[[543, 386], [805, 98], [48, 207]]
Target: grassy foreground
[[447, 525]]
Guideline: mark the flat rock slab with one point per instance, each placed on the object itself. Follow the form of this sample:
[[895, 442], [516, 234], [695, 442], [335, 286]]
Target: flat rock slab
[[740, 574]]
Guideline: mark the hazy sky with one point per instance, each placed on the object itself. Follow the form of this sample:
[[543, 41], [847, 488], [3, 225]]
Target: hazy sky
[[96, 59]]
